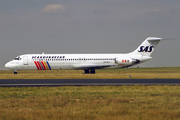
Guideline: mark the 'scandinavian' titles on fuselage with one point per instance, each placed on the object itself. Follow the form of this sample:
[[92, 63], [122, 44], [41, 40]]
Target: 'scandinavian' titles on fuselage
[[86, 62]]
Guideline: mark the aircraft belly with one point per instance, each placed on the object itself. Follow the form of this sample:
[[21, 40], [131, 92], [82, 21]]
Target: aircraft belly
[[61, 65]]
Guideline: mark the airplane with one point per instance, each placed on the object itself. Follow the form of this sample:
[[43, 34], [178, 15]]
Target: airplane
[[87, 62]]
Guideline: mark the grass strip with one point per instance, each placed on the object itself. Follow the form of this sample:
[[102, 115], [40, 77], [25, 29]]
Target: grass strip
[[135, 73], [90, 102]]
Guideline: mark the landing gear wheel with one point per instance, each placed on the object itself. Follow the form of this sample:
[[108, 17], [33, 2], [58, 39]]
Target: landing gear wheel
[[86, 71], [93, 72]]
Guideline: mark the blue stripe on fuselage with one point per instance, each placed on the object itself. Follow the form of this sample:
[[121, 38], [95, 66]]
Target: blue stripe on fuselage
[[48, 65]]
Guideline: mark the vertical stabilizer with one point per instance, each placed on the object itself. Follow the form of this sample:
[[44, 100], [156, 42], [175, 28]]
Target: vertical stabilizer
[[147, 47]]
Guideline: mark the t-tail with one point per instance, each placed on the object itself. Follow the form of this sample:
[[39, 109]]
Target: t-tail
[[147, 47]]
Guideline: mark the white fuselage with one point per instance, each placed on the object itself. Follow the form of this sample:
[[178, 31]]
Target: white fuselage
[[73, 61]]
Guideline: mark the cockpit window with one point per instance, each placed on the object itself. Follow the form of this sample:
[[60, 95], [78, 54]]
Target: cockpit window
[[17, 58]]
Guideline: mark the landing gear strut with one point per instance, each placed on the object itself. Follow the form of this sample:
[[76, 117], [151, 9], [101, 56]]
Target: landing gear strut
[[15, 71]]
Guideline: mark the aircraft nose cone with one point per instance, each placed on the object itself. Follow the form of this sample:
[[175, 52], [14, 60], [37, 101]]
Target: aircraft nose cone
[[12, 65], [7, 65]]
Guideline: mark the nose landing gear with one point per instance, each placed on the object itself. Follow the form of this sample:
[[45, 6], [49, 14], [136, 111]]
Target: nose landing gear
[[15, 71]]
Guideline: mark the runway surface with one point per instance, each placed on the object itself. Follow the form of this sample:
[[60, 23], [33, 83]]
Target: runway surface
[[84, 82]]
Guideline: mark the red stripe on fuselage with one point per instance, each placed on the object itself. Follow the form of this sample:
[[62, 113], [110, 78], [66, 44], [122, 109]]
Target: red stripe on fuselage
[[36, 65], [39, 65], [43, 65]]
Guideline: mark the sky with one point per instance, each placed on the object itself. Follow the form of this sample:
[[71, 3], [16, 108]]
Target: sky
[[89, 26]]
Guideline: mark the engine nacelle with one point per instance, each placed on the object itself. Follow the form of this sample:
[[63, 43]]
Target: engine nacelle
[[126, 61], [123, 61]]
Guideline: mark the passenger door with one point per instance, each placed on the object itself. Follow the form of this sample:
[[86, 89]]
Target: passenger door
[[25, 60]]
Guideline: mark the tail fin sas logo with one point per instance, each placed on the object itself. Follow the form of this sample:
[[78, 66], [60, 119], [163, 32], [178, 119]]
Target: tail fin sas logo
[[42, 65], [146, 49]]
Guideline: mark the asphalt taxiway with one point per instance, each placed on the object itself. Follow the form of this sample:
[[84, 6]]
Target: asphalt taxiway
[[84, 82]]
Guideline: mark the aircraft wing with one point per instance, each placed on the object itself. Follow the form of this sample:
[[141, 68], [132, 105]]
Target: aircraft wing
[[90, 66]]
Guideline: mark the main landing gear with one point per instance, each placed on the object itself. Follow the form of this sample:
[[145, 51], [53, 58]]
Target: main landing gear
[[15, 71], [92, 71]]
